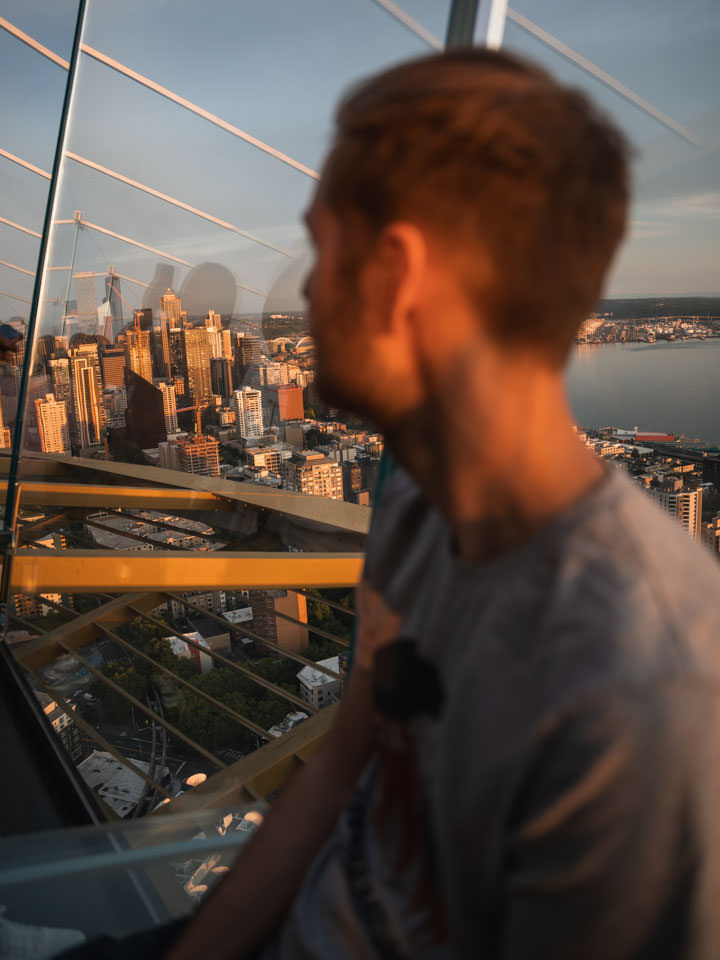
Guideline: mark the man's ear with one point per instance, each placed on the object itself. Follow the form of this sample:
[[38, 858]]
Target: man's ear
[[394, 275]]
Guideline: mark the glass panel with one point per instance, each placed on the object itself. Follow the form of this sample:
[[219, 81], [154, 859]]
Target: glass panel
[[172, 414], [135, 874], [642, 377], [32, 87]]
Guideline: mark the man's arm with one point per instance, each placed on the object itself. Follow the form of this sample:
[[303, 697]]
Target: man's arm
[[253, 899], [602, 861]]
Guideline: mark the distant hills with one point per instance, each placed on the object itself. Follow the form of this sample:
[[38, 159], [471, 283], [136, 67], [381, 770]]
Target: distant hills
[[641, 308]]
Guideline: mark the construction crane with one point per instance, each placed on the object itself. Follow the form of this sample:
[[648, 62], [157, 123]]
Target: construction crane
[[197, 407]]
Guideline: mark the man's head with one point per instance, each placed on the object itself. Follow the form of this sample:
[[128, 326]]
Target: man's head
[[470, 176]]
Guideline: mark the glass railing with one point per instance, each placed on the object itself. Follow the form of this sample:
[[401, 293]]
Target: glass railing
[[189, 516]]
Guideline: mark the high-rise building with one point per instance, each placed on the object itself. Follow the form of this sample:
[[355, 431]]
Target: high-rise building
[[221, 376], [87, 409], [176, 349], [711, 533], [284, 403], [112, 365], [137, 353], [683, 504], [87, 307], [226, 337], [200, 455], [115, 404], [352, 480], [314, 474], [161, 349], [169, 407], [59, 369], [197, 359], [247, 404], [113, 297], [248, 353], [5, 433], [172, 307], [169, 455], [145, 414], [53, 425]]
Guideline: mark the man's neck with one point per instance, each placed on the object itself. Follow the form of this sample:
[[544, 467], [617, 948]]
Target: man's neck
[[494, 450]]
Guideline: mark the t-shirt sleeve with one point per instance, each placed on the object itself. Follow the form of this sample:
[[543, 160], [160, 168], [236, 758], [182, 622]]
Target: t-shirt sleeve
[[603, 851]]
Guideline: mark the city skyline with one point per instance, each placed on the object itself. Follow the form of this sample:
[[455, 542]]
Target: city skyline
[[675, 223]]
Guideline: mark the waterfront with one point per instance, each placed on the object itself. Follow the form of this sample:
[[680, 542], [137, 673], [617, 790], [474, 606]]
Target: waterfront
[[670, 387]]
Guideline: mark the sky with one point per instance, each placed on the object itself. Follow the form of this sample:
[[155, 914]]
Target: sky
[[275, 68]]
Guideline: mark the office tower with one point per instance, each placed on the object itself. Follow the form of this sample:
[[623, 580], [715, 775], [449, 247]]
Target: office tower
[[5, 433], [221, 377], [113, 361], [59, 369], [145, 414], [86, 387], [87, 307], [352, 480], [53, 425], [247, 404], [284, 403], [176, 348], [114, 300], [269, 373], [248, 353], [169, 455], [683, 504], [197, 359], [171, 306], [200, 455], [143, 318], [169, 407], [314, 474], [711, 533], [161, 349], [137, 352], [213, 321], [226, 336], [115, 405]]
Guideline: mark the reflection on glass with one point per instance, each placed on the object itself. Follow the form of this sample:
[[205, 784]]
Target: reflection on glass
[[172, 339]]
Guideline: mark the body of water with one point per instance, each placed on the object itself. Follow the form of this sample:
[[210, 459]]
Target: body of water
[[665, 387]]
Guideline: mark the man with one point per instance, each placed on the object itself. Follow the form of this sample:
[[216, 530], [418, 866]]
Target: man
[[526, 763]]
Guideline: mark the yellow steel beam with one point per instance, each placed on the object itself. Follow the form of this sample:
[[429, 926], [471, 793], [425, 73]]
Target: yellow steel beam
[[37, 493], [336, 514], [115, 571], [259, 774]]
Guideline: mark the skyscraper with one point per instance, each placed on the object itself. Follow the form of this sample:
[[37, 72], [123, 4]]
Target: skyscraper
[[171, 306], [87, 409], [197, 359], [200, 455], [137, 352], [169, 407], [114, 299], [87, 308], [145, 414], [247, 404], [313, 473], [221, 376], [683, 504], [113, 361], [53, 425], [161, 349], [59, 368]]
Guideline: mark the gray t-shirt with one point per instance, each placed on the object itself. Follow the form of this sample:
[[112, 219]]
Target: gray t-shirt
[[547, 783]]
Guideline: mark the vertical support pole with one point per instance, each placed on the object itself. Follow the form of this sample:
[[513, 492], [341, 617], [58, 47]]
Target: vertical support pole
[[476, 22]]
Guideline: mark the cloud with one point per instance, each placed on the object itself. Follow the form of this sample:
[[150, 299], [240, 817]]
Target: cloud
[[701, 206]]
